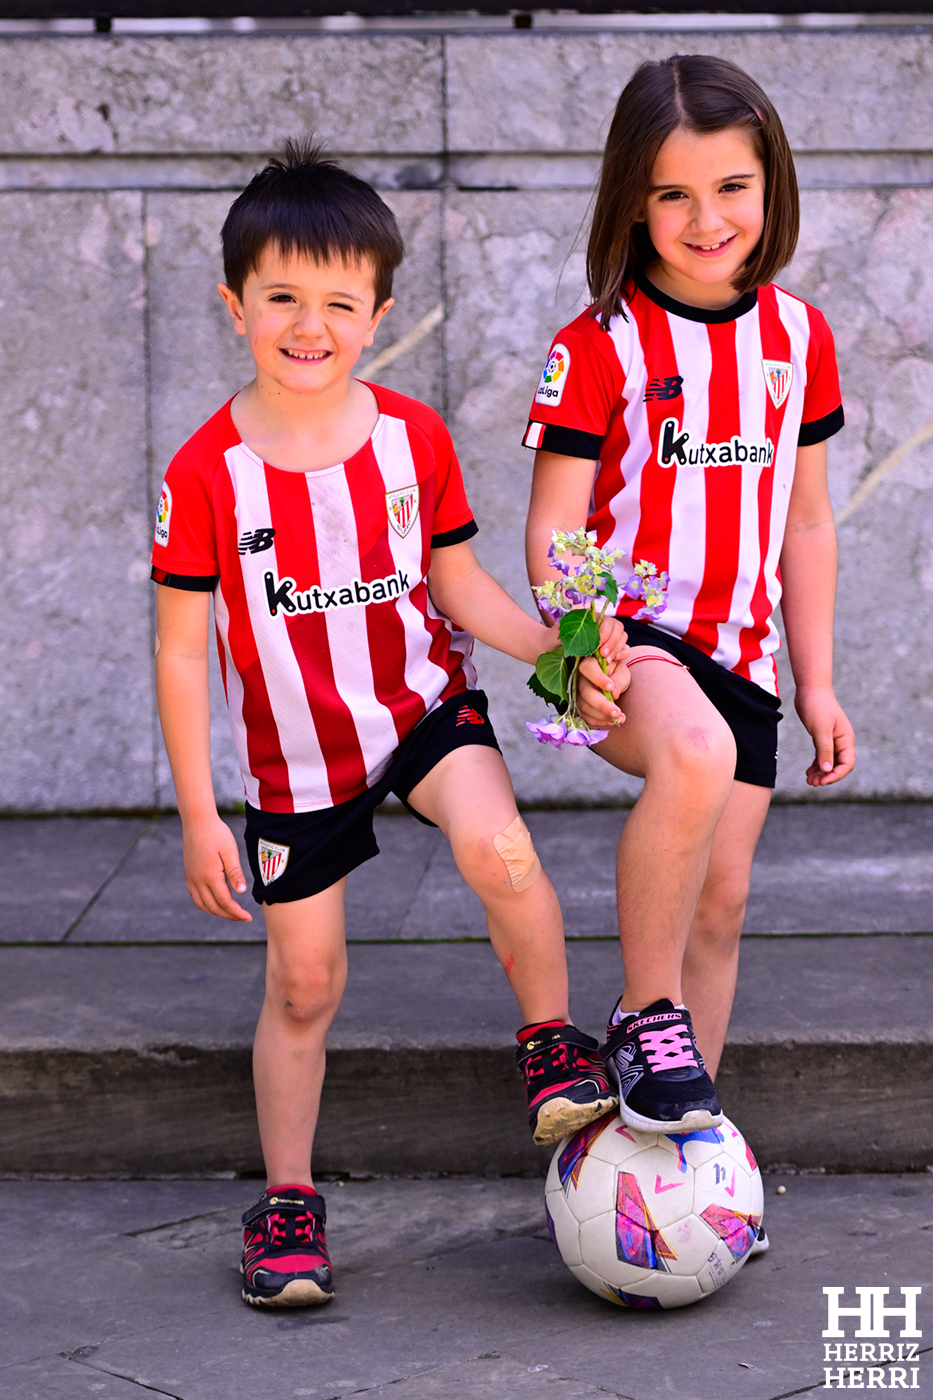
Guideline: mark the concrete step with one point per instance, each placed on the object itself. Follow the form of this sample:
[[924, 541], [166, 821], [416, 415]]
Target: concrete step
[[824, 867], [136, 1059]]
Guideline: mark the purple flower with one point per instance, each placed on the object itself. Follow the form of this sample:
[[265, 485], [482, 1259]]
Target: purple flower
[[652, 614], [572, 596], [632, 586], [587, 737], [548, 730]]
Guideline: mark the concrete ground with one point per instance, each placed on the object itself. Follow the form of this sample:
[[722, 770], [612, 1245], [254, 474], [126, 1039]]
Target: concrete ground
[[445, 1289], [124, 1048]]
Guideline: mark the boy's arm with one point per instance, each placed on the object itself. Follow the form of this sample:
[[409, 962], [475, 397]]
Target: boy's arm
[[210, 850], [808, 575], [463, 591]]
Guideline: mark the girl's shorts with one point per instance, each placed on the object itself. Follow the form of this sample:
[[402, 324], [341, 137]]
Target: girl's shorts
[[296, 854], [750, 712]]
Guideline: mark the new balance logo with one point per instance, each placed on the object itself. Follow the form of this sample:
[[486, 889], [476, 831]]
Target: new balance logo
[[468, 716], [255, 541], [284, 593], [663, 389], [674, 450]]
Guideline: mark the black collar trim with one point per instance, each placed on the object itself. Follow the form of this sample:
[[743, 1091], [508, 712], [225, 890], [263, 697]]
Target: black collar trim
[[747, 302]]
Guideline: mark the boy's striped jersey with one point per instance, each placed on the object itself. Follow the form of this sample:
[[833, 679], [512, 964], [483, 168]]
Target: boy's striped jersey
[[330, 647], [694, 418]]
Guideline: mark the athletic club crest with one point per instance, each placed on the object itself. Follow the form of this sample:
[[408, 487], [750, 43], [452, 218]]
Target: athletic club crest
[[272, 861], [779, 375], [402, 507]]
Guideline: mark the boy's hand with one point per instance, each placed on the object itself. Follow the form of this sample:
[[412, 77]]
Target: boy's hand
[[596, 709], [211, 860], [833, 738]]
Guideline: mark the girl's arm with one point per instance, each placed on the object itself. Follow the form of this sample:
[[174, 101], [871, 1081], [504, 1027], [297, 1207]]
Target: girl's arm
[[463, 591], [561, 488], [210, 849], [808, 574]]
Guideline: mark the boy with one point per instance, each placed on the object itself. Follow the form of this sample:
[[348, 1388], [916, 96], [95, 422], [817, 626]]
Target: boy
[[329, 521]]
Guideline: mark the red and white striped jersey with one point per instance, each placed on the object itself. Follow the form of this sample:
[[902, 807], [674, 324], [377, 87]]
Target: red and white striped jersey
[[330, 647], [695, 418]]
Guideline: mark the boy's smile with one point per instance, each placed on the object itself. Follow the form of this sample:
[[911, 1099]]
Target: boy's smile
[[307, 323], [705, 213]]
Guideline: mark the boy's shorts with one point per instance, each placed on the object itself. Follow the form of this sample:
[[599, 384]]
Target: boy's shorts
[[310, 851], [750, 712]]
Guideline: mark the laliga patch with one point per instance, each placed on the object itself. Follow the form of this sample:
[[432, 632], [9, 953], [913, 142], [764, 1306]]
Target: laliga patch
[[553, 377], [779, 376], [272, 861], [402, 507], [163, 515]]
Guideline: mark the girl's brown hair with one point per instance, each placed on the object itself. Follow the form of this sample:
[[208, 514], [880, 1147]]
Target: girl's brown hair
[[702, 94]]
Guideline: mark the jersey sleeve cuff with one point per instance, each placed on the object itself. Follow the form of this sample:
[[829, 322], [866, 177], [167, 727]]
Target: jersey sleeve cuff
[[821, 428], [566, 442], [462, 532], [188, 583]]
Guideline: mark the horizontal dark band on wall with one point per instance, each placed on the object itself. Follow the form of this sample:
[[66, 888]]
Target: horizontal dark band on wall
[[227, 9]]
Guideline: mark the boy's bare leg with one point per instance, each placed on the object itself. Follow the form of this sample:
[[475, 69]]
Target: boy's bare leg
[[711, 959], [469, 796], [306, 972], [676, 740]]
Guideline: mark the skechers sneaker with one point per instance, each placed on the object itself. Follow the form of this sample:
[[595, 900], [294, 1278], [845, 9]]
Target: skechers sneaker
[[653, 1059], [565, 1080], [762, 1243], [285, 1260]]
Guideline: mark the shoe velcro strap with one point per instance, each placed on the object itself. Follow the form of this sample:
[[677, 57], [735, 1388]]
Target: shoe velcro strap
[[287, 1205], [550, 1039]]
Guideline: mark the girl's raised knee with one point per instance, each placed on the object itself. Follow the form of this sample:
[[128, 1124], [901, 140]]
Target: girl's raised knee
[[305, 994]]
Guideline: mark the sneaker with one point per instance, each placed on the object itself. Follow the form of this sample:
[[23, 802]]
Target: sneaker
[[285, 1260], [565, 1080], [663, 1086], [762, 1243]]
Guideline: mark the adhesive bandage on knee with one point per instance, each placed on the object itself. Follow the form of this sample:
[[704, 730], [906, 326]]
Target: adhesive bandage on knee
[[521, 860]]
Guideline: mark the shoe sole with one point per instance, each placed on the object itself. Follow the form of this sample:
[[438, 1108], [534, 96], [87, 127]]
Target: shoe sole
[[299, 1293], [760, 1247], [698, 1120], [559, 1118]]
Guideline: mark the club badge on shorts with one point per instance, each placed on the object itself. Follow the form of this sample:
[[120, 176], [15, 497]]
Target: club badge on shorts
[[272, 861], [402, 507], [779, 375]]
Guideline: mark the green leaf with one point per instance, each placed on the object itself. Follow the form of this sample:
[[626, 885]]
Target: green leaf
[[535, 685], [611, 589], [551, 672], [579, 634]]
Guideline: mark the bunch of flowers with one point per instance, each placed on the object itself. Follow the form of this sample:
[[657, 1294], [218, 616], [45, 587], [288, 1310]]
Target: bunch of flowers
[[572, 600]]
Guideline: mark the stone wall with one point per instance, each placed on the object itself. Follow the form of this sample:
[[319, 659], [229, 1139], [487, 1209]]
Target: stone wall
[[118, 159]]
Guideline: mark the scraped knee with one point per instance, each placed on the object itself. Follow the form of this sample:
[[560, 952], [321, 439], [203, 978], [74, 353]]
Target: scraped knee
[[517, 850]]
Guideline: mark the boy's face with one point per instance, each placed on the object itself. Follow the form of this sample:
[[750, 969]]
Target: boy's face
[[306, 322]]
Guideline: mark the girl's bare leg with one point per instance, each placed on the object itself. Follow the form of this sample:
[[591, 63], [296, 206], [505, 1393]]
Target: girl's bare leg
[[469, 796], [676, 740], [711, 959], [306, 972]]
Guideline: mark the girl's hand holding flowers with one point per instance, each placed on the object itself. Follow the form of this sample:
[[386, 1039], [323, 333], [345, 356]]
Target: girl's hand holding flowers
[[568, 676]]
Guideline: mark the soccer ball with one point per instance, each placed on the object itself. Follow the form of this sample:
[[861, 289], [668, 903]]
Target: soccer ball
[[653, 1220]]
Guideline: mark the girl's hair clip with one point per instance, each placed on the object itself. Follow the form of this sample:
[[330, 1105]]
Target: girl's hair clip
[[758, 115]]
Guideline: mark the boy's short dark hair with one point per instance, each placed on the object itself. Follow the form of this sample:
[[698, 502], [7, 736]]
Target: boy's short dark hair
[[702, 94], [309, 205]]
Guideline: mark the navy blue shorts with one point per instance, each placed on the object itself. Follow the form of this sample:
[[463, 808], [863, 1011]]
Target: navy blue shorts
[[750, 712], [296, 854]]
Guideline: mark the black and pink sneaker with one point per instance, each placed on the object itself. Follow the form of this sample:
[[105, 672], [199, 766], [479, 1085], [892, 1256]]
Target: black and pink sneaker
[[285, 1260], [565, 1080], [653, 1059]]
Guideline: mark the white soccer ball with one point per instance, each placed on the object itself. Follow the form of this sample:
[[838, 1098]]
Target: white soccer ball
[[653, 1220]]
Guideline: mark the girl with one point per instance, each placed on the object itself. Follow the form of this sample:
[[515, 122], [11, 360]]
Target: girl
[[683, 417]]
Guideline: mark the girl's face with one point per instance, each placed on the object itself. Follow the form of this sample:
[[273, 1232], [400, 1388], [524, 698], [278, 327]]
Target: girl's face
[[705, 213]]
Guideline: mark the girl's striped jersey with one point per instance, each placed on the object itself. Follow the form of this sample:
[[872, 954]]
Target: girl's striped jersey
[[695, 418], [330, 647]]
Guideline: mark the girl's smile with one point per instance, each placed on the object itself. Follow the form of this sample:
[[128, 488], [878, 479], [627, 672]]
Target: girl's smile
[[705, 214]]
